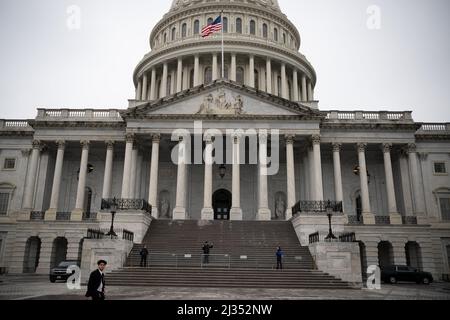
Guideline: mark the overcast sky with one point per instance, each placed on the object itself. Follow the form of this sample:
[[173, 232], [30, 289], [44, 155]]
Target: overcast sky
[[403, 65]]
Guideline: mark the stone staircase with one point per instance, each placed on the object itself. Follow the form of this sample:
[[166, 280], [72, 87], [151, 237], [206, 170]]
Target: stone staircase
[[243, 257]]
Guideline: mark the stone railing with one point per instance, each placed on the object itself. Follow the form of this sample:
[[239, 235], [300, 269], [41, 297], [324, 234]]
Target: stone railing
[[79, 114], [433, 128], [317, 207], [405, 116], [322, 237], [14, 125]]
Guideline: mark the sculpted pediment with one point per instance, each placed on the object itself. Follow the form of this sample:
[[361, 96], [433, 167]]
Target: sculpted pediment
[[221, 100]]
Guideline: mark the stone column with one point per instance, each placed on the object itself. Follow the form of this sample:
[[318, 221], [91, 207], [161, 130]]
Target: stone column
[[196, 71], [290, 175], [418, 199], [368, 217], [236, 210], [310, 91], [127, 166], [153, 188], [269, 76], [318, 182], [180, 75], [304, 92], [233, 67], [50, 215], [251, 72], [295, 84], [396, 218], [215, 68], [153, 85], [337, 172], [208, 212], [139, 90], [164, 80], [144, 87], [312, 188], [264, 213], [133, 170], [107, 179], [77, 213], [284, 87], [30, 183], [179, 213], [275, 84]]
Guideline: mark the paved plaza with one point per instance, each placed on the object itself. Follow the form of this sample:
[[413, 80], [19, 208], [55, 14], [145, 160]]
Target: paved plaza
[[39, 288]]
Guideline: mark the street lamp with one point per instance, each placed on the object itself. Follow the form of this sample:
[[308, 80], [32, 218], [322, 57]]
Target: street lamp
[[113, 208], [329, 209]]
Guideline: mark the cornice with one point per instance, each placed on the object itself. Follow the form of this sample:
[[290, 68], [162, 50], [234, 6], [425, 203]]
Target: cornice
[[16, 133], [352, 126], [437, 136], [77, 124]]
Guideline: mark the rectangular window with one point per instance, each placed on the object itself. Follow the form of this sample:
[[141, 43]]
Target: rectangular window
[[440, 168], [4, 202], [445, 208], [10, 164]]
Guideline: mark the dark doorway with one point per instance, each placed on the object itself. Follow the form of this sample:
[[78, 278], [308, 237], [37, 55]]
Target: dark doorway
[[385, 254], [32, 253], [59, 251], [222, 204]]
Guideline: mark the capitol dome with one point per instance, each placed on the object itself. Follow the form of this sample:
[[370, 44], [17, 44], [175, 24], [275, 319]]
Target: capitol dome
[[261, 51]]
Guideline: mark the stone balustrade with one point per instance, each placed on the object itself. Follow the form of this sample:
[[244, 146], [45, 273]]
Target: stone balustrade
[[14, 125], [79, 114], [369, 116], [434, 127]]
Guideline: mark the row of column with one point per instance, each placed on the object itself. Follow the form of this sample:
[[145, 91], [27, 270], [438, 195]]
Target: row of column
[[129, 178], [146, 89]]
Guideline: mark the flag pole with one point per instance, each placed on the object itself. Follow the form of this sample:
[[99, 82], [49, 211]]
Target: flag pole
[[223, 58]]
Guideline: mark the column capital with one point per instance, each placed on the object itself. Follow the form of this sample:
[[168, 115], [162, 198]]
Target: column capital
[[386, 147], [61, 144], [109, 144], [37, 144], [316, 139], [361, 147], [236, 138], [337, 147], [156, 138], [263, 136], [208, 138], [85, 144], [289, 138], [411, 148], [129, 137]]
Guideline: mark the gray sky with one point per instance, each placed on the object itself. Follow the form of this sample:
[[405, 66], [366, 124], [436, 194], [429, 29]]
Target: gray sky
[[404, 65]]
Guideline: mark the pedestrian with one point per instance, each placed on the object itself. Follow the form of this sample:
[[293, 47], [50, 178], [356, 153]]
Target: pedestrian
[[280, 255], [206, 248], [144, 255], [96, 284]]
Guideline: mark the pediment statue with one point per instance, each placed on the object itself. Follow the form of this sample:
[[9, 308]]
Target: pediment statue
[[220, 105]]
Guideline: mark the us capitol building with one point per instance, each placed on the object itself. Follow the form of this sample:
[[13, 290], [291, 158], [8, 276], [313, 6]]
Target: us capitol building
[[386, 175]]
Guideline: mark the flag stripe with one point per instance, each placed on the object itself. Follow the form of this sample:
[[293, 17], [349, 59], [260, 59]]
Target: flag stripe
[[215, 26]]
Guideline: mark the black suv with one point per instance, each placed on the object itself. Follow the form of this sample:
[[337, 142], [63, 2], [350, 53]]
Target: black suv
[[60, 272], [393, 274]]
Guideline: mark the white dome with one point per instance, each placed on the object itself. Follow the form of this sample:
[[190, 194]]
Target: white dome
[[179, 4]]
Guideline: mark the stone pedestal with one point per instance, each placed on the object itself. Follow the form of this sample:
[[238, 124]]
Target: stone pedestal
[[179, 214], [369, 218], [208, 214], [77, 215], [264, 214], [396, 219], [236, 214], [50, 215]]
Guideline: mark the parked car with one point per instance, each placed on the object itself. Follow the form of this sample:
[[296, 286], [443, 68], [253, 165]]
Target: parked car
[[60, 272], [395, 273]]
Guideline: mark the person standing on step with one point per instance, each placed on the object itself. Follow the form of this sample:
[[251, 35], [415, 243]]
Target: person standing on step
[[144, 255], [96, 284], [280, 255], [206, 249]]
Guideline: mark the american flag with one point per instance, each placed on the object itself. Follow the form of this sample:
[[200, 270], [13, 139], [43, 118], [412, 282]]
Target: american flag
[[213, 27]]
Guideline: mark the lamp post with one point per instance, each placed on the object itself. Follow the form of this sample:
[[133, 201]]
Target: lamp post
[[329, 209], [113, 208]]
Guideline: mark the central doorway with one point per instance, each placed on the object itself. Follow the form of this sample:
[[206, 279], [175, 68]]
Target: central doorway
[[222, 204]]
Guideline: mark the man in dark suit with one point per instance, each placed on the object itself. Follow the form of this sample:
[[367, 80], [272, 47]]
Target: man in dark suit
[[96, 284], [206, 248]]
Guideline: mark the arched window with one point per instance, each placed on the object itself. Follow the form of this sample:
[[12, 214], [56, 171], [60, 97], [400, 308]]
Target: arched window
[[240, 75], [174, 32], [252, 27], [208, 75], [59, 251], [238, 25], [265, 31], [196, 27], [275, 35], [284, 38], [184, 30], [210, 21], [225, 25], [191, 79], [256, 80], [165, 38]]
